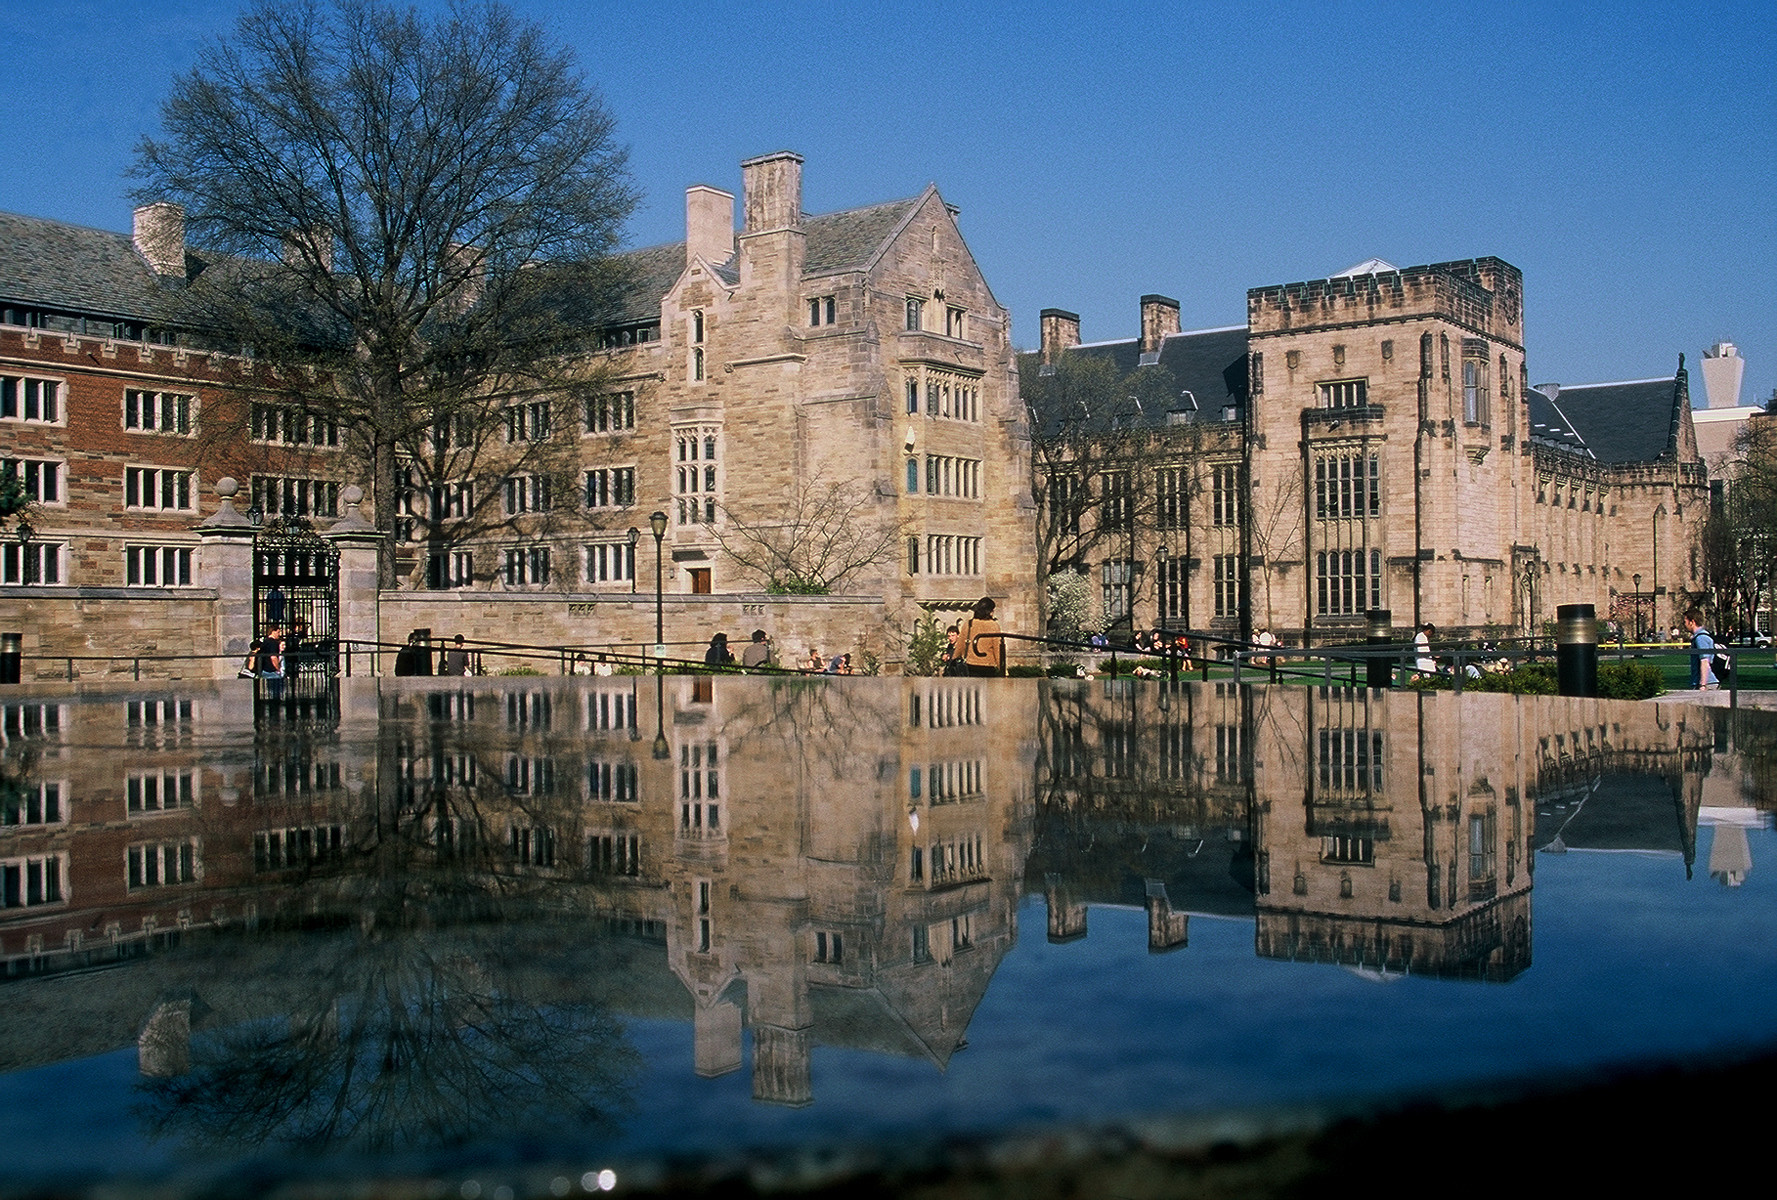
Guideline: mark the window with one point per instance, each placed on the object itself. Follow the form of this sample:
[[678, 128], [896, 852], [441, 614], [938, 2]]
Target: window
[[1066, 501], [912, 476], [450, 569], [1356, 851], [1116, 578], [280, 497], [26, 399], [534, 846], [529, 776], [946, 476], [525, 565], [922, 939], [159, 791], [828, 947], [613, 413], [913, 395], [916, 313], [1172, 488], [41, 478], [955, 322], [1119, 498], [1347, 582], [156, 488], [696, 482], [957, 397], [947, 554], [913, 555], [614, 854], [279, 849], [820, 310], [1347, 486], [157, 566], [290, 425], [160, 864], [610, 562], [1344, 393], [611, 710], [1225, 495], [28, 882], [1227, 585], [613, 781], [32, 563], [700, 790], [697, 365], [611, 487], [527, 494], [32, 804], [527, 422], [1482, 841], [1475, 407], [1172, 588]]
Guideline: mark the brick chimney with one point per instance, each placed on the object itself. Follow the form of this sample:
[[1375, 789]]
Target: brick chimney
[[709, 225], [1159, 317], [1060, 329], [160, 237]]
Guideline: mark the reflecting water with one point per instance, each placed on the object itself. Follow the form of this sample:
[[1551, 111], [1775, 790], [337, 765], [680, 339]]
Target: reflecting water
[[535, 919]]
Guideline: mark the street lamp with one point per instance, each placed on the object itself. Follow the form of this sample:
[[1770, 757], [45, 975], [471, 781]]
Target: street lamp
[[633, 536], [1639, 631], [657, 522], [1160, 591]]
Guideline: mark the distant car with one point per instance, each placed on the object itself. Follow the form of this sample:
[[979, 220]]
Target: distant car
[[1761, 639]]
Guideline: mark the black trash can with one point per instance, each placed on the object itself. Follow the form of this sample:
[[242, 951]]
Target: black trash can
[[1576, 649]]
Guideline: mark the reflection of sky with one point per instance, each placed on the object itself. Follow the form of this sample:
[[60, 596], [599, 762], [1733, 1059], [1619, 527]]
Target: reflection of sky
[[1630, 963]]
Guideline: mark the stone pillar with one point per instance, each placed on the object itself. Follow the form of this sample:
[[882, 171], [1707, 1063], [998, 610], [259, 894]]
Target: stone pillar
[[359, 544], [716, 1038], [225, 563], [1067, 917], [1167, 930]]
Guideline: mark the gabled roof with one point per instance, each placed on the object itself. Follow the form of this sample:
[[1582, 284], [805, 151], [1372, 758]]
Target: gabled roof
[[1628, 422], [54, 265]]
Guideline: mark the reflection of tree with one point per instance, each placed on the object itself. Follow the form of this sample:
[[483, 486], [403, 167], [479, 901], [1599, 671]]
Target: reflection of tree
[[404, 1042], [448, 998]]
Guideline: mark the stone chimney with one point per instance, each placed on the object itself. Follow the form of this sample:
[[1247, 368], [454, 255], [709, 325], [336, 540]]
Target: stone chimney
[[1060, 329], [1159, 318], [160, 237], [772, 244], [316, 242], [772, 187], [709, 225]]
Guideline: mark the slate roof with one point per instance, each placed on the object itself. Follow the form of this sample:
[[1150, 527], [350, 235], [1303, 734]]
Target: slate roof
[[1631, 422], [53, 265], [1210, 364]]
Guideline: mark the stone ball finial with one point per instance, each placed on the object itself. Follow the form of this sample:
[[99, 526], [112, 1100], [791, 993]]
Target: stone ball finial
[[353, 494], [227, 488]]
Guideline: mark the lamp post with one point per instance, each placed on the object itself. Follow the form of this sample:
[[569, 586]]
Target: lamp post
[[1638, 626], [1165, 603], [657, 522], [632, 537]]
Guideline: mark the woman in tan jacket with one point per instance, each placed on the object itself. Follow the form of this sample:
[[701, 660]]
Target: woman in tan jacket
[[983, 651]]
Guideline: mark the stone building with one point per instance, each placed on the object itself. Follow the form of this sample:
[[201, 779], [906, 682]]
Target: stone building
[[1371, 440]]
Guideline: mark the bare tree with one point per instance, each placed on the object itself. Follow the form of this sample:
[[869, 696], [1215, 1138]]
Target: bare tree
[[412, 215], [827, 532]]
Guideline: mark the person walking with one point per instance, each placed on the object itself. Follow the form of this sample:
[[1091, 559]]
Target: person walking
[[718, 654], [1702, 652], [1423, 661], [983, 650]]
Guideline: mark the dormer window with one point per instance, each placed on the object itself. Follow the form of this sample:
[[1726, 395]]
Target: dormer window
[[916, 313], [821, 310], [955, 322]]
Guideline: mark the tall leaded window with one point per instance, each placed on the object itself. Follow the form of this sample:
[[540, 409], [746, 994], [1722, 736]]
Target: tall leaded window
[[1347, 485], [1225, 495], [1347, 582], [1172, 485], [525, 565], [1476, 409], [1227, 585], [697, 481], [1119, 499], [611, 487], [1117, 579], [1066, 502], [610, 562], [527, 494]]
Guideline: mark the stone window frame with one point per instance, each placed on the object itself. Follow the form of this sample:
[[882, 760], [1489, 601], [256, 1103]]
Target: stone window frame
[[609, 487], [522, 494], [156, 565], [50, 879], [37, 564], [608, 412], [915, 314], [524, 565], [56, 477], [1353, 392], [608, 561], [161, 412], [289, 425], [144, 480], [822, 310], [956, 319], [699, 478], [309, 496], [1477, 399], [528, 421], [17, 400]]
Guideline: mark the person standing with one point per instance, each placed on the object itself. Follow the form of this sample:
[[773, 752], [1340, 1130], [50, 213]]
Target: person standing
[[718, 655], [456, 659], [1423, 661], [271, 659], [984, 651]]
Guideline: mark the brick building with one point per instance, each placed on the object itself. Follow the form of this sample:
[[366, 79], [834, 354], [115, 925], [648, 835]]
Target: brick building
[[841, 381], [1371, 440]]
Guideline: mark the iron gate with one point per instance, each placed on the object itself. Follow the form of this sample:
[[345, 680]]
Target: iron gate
[[296, 588]]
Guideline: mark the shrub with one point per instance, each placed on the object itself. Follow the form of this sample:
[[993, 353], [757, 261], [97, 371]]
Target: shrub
[[1027, 671], [925, 649], [520, 670], [1629, 681]]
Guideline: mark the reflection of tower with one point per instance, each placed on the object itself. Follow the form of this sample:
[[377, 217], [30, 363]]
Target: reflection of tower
[[1730, 857], [1723, 368], [716, 1037], [1067, 915], [1167, 930], [781, 1066]]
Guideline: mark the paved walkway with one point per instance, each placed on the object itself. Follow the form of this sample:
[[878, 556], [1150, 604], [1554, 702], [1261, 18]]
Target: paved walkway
[[1719, 699]]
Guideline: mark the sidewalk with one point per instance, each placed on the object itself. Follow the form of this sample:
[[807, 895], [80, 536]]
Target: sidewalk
[[1718, 699]]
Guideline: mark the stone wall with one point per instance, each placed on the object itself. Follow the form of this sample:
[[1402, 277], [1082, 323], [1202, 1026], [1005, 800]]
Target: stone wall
[[105, 630]]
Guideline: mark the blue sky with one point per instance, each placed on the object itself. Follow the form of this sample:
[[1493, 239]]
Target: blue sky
[[1623, 156]]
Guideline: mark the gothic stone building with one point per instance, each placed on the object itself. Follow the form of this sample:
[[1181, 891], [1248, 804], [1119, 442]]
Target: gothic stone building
[[1371, 441]]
